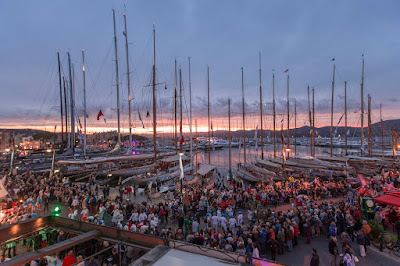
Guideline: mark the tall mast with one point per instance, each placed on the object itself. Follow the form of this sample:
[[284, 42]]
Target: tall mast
[[180, 110], [154, 99], [333, 87], [66, 112], [288, 114], [244, 123], [313, 122], [369, 127], [273, 109], [190, 107], [345, 116], [208, 108], [295, 130], [362, 105], [117, 81], [71, 102], [176, 109], [229, 136], [128, 74], [84, 100], [261, 114], [61, 100], [380, 110], [309, 117]]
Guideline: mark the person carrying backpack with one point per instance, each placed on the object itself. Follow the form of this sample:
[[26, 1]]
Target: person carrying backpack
[[361, 242], [333, 230]]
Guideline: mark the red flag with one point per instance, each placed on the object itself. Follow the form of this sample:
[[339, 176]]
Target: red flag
[[99, 114], [211, 126], [395, 135], [182, 140], [362, 180]]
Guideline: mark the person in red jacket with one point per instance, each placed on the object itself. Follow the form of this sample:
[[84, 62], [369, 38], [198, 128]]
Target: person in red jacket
[[69, 259]]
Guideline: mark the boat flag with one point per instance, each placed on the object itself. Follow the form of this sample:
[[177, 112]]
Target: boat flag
[[340, 119], [79, 121], [333, 59], [165, 86], [99, 114], [140, 118], [181, 167], [287, 70], [395, 135], [362, 180], [148, 114]]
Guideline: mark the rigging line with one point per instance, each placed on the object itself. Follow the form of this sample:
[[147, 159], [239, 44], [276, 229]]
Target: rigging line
[[37, 95], [50, 84], [97, 78]]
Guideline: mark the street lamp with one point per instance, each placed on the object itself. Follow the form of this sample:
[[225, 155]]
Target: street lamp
[[288, 152]]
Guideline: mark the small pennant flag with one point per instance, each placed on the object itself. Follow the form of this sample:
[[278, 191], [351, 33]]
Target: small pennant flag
[[287, 70], [148, 114], [395, 135], [333, 59], [362, 180], [165, 86], [99, 114], [140, 118]]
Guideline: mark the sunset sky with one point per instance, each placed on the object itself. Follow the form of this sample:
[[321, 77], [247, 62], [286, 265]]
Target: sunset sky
[[302, 36]]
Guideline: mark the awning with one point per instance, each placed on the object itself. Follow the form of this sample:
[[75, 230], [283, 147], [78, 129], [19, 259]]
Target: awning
[[389, 199], [205, 169]]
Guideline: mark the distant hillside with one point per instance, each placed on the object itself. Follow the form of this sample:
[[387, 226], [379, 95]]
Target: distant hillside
[[25, 131], [388, 125]]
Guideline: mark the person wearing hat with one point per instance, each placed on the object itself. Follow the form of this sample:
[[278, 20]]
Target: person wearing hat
[[232, 223], [240, 219]]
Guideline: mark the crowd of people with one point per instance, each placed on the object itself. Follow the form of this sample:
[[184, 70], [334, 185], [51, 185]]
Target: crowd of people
[[245, 220]]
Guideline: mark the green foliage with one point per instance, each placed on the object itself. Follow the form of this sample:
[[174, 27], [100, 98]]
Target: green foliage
[[43, 135], [134, 137], [376, 228]]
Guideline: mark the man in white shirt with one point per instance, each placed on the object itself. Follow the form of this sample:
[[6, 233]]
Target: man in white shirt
[[232, 223], [214, 221], [240, 219], [134, 217], [142, 216], [223, 222], [195, 226], [153, 223]]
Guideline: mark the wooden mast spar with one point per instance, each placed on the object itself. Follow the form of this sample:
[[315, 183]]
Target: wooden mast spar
[[154, 100], [261, 114]]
